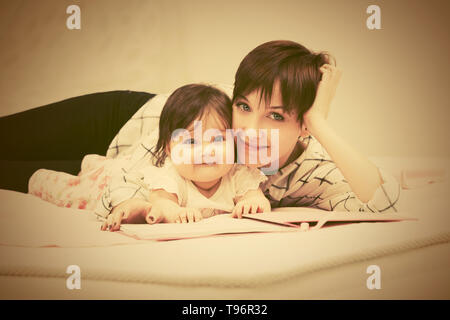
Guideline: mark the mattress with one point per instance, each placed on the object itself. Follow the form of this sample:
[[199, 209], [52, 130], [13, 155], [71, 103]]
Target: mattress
[[38, 241]]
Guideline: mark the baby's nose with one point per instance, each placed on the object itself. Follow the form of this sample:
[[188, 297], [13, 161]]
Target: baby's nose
[[208, 149]]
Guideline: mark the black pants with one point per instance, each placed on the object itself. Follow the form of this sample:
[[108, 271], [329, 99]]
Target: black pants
[[57, 136]]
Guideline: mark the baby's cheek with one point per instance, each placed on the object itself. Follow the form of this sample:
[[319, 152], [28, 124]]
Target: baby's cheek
[[182, 154], [197, 155]]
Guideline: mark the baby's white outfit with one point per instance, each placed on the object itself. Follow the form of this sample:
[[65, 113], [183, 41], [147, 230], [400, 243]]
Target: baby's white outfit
[[235, 183]]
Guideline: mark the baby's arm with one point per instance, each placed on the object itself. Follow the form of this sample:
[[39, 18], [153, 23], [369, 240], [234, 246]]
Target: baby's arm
[[161, 207], [129, 211], [253, 201]]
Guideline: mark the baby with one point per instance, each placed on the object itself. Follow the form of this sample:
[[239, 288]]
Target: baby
[[194, 175]]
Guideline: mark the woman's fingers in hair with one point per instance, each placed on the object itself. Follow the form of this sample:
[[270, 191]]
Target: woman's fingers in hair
[[327, 66], [330, 73], [328, 69], [326, 73]]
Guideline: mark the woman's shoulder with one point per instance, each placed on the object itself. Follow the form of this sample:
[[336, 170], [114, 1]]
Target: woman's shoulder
[[312, 149], [306, 164], [241, 179], [242, 176]]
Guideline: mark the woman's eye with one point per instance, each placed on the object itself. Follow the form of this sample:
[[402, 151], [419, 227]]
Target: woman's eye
[[276, 116], [190, 141], [243, 106]]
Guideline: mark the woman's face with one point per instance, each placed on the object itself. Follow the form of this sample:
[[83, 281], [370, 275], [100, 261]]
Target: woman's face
[[251, 112]]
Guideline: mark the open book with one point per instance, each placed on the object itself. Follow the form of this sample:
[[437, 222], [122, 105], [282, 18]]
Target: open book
[[279, 220]]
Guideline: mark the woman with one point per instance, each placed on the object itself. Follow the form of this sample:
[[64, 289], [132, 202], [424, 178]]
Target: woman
[[320, 170], [275, 88]]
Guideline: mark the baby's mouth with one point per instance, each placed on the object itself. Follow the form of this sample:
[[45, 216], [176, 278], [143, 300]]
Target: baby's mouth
[[206, 163]]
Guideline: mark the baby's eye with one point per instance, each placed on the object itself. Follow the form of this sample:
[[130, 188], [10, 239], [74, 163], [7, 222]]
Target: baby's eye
[[190, 141], [243, 106], [219, 139], [276, 116]]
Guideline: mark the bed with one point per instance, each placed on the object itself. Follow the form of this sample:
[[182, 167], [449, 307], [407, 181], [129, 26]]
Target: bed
[[38, 241]]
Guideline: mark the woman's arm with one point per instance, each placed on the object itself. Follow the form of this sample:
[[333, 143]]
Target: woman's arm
[[361, 174]]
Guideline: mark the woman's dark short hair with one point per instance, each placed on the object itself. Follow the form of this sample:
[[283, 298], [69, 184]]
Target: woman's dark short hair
[[186, 104], [296, 67]]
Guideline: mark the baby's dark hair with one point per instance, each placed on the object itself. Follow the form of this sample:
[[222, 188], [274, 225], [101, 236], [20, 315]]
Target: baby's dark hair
[[296, 67], [186, 104]]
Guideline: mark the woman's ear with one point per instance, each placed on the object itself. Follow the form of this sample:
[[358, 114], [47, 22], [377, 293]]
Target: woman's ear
[[304, 131]]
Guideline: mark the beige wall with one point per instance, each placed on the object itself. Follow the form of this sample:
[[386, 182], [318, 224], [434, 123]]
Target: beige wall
[[392, 99]]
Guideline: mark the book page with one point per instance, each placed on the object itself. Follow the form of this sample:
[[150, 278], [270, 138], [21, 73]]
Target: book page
[[299, 215], [220, 224]]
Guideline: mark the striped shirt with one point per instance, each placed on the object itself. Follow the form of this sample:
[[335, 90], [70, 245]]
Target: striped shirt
[[313, 180]]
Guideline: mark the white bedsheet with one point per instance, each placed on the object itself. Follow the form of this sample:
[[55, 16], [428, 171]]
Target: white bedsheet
[[251, 266]]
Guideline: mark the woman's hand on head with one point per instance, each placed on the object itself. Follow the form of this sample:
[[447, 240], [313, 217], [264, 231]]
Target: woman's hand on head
[[324, 96], [129, 211]]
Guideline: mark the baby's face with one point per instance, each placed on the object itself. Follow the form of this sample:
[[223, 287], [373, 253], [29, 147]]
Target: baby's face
[[203, 152]]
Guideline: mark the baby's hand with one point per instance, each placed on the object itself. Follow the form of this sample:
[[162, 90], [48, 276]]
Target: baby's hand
[[171, 212], [251, 205], [186, 215], [129, 211]]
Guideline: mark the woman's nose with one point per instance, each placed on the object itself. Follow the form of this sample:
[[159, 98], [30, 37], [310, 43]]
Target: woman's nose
[[255, 135], [250, 128], [251, 123]]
